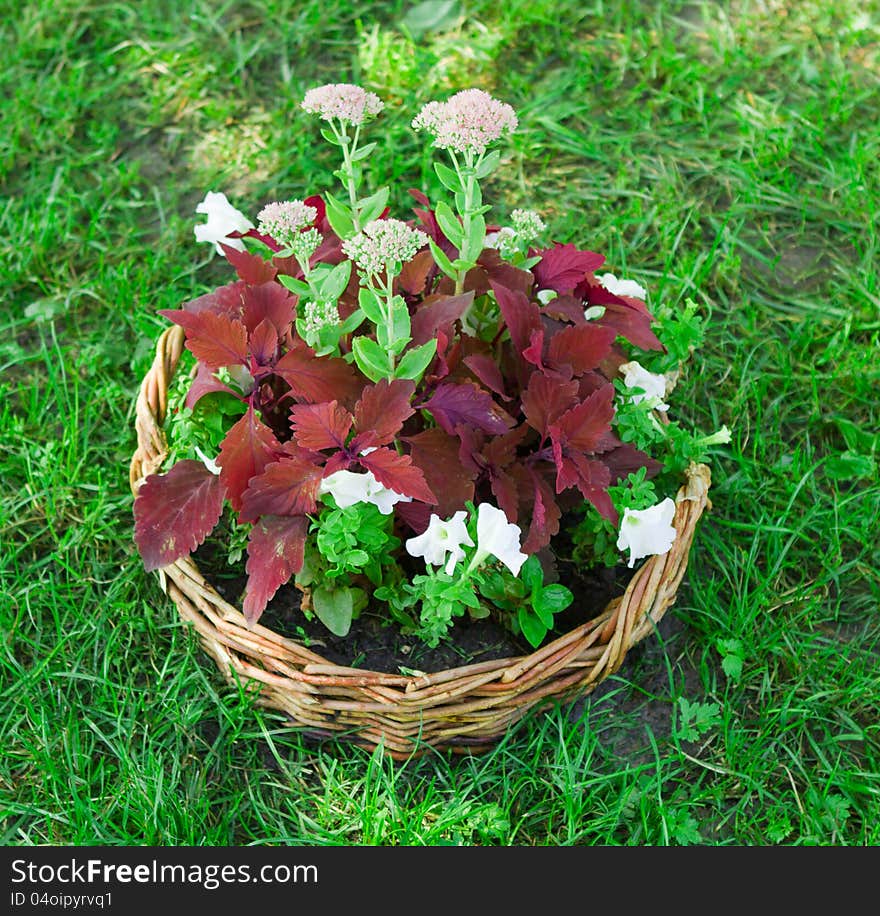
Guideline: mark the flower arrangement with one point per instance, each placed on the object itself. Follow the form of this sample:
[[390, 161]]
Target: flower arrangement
[[409, 414]]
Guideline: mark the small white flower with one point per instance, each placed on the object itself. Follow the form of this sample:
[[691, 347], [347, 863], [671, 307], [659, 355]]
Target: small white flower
[[547, 295], [349, 488], [622, 287], [527, 224], [498, 537], [720, 437], [594, 311], [647, 532], [441, 538], [211, 465], [223, 218], [653, 385]]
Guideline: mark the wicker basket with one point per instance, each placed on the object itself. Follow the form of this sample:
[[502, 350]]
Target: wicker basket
[[465, 709]]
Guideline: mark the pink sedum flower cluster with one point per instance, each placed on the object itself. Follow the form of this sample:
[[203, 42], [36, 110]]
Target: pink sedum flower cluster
[[348, 103], [284, 219], [469, 121], [382, 242]]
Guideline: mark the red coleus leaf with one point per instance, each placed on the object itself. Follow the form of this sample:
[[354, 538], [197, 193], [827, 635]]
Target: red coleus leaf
[[627, 316], [565, 308], [580, 347], [270, 302], [205, 382], [486, 370], [319, 378], [502, 273], [398, 473], [250, 267], [563, 267], [436, 454], [382, 410], [466, 403], [263, 342], [592, 478], [276, 548], [520, 315], [626, 459], [225, 300], [287, 487], [587, 426], [175, 512], [413, 277], [545, 515], [438, 313], [212, 338], [546, 399], [318, 426], [247, 449]]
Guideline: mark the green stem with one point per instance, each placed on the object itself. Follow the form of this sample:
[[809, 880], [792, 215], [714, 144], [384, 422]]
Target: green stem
[[350, 179], [389, 317], [468, 181]]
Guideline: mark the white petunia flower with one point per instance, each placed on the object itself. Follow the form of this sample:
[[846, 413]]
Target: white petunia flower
[[647, 532], [349, 488], [498, 537], [223, 218], [441, 538], [209, 463], [653, 385], [622, 287]]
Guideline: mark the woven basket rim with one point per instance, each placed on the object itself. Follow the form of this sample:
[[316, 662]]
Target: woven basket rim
[[465, 708]]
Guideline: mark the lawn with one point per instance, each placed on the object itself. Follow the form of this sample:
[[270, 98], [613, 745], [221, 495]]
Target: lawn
[[721, 152]]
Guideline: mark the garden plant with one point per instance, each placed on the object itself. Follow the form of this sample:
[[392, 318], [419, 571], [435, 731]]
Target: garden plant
[[708, 171]]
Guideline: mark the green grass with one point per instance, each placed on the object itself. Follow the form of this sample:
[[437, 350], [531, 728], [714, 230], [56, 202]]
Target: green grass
[[726, 152]]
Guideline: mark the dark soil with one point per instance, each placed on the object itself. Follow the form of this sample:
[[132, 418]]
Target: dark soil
[[375, 643]]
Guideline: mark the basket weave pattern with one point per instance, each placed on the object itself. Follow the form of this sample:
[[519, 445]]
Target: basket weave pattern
[[460, 709]]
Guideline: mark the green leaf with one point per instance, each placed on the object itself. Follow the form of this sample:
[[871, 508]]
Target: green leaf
[[351, 323], [448, 177], [551, 600], [449, 224], [295, 286], [363, 152], [489, 164], [372, 306], [371, 359], [476, 237], [441, 260], [415, 361], [532, 575], [370, 207], [532, 627], [331, 287], [339, 217], [431, 16], [400, 323], [330, 137], [334, 607]]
